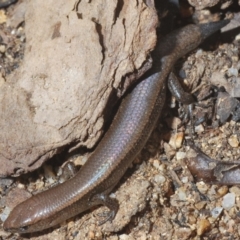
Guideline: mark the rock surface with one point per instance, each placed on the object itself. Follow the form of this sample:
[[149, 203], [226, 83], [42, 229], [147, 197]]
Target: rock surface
[[76, 56]]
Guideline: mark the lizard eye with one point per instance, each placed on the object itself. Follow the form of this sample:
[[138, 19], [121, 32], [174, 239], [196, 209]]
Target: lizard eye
[[23, 229]]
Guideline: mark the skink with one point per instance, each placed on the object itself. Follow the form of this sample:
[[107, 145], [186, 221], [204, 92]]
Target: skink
[[127, 135]]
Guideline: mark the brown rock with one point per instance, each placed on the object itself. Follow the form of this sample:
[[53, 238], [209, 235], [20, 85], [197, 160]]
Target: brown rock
[[76, 56], [203, 226]]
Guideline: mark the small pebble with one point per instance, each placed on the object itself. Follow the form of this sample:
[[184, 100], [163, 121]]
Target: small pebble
[[156, 163], [91, 235], [182, 194], [228, 201], [180, 155], [199, 53], [80, 160], [202, 187], [200, 205], [231, 224], [3, 17], [169, 150], [216, 212], [2, 48], [159, 178], [222, 190], [184, 180], [203, 225], [199, 128], [192, 219], [21, 186], [70, 225], [232, 72], [176, 140], [48, 171], [233, 141], [4, 214], [235, 190]]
